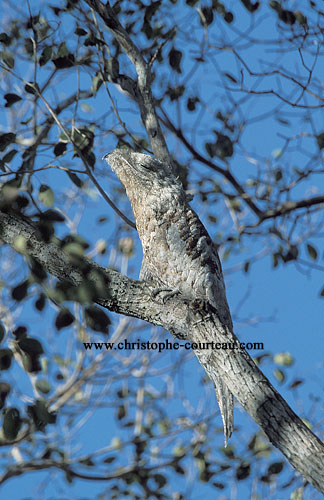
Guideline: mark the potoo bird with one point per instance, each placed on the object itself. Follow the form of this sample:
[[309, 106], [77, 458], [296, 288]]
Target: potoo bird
[[178, 253]]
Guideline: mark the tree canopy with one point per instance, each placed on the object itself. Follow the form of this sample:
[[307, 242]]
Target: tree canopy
[[235, 90]]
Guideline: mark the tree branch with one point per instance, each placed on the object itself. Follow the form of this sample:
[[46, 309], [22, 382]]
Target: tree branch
[[143, 95]]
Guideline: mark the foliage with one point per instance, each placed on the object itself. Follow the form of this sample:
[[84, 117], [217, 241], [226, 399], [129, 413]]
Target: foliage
[[219, 74]]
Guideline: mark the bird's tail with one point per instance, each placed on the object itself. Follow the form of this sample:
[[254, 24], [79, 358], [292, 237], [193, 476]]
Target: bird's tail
[[226, 406]]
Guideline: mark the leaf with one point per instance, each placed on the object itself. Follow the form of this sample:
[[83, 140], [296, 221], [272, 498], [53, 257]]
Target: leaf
[[64, 319], [9, 156], [284, 359], [287, 16], [191, 103], [43, 386], [11, 99], [4, 391], [5, 39], [60, 148], [40, 415], [278, 174], [175, 93], [20, 332], [206, 16], [11, 423], [296, 383], [312, 252], [20, 291], [40, 302], [8, 59], [45, 56], [251, 7], [279, 374], [224, 146], [275, 5], [46, 195], [175, 57], [75, 179], [243, 471], [97, 319], [80, 32], [51, 216], [31, 346], [64, 58], [32, 88], [275, 468], [229, 17], [246, 266], [2, 331], [6, 139], [5, 359]]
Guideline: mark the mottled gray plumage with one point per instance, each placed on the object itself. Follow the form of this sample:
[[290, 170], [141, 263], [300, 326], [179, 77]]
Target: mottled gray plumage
[[178, 253]]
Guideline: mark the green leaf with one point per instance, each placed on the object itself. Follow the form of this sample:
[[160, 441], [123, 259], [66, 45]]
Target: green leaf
[[2, 331], [175, 93], [75, 179], [312, 252], [60, 148], [11, 99], [6, 139], [5, 359], [62, 50], [20, 291], [40, 415], [9, 156], [31, 346], [275, 468], [40, 302], [80, 32], [5, 39], [97, 319], [20, 332], [284, 359], [246, 266], [7, 59], [43, 386], [287, 16], [279, 374], [32, 88], [45, 56], [175, 57], [11, 423], [51, 216], [275, 5], [4, 391], [64, 319], [46, 195], [296, 383], [243, 471]]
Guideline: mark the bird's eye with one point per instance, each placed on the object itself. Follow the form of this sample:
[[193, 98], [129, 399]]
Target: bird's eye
[[147, 167]]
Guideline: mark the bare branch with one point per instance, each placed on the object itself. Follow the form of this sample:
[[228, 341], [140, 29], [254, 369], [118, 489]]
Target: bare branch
[[144, 95]]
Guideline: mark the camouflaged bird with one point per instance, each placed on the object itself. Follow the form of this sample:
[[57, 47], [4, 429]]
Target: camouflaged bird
[[178, 253]]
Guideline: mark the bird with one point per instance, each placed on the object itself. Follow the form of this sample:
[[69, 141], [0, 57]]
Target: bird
[[178, 253]]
